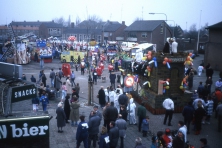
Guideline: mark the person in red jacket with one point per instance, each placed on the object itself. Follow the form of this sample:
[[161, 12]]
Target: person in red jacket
[[110, 67], [101, 65], [99, 72]]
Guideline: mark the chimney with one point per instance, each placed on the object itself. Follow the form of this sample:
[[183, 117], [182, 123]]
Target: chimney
[[123, 22]]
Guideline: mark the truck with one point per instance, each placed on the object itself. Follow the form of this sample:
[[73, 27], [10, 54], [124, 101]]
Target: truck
[[126, 46], [70, 55]]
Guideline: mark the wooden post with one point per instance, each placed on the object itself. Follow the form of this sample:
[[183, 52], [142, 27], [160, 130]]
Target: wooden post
[[89, 93]]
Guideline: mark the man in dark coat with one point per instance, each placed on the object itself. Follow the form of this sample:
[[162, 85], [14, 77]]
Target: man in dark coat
[[200, 89], [178, 141], [113, 135], [93, 123], [198, 115], [61, 117], [123, 100], [112, 78], [44, 79], [166, 48], [102, 97], [141, 113], [121, 124], [188, 113], [111, 114], [209, 72], [82, 132]]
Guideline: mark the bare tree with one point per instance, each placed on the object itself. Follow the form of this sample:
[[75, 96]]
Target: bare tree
[[61, 20], [138, 19], [78, 21]]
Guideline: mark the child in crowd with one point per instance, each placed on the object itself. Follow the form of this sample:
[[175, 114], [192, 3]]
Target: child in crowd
[[145, 126], [64, 91]]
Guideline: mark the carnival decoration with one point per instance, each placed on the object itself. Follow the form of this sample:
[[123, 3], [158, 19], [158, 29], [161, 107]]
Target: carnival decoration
[[165, 84], [129, 81], [72, 38], [189, 60], [166, 61], [184, 84], [148, 70], [155, 61], [148, 83]]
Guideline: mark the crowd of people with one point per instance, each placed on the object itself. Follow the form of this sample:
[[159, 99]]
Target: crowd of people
[[118, 108]]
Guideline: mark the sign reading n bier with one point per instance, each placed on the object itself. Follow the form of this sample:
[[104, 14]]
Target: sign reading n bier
[[24, 127]]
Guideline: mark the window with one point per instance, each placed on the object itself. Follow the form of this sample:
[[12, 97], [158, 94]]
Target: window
[[132, 34], [144, 35]]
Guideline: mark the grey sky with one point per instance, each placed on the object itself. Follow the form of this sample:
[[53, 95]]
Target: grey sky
[[180, 11]]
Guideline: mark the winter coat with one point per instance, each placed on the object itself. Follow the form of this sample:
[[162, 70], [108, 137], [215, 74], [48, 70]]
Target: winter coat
[[44, 99], [178, 142], [68, 86], [58, 83], [188, 112], [61, 117], [141, 111], [123, 99], [112, 78], [113, 136], [111, 113], [131, 107], [124, 114], [102, 143], [35, 100], [145, 125], [112, 95], [82, 131], [121, 125], [74, 113], [67, 108], [209, 107], [102, 96], [199, 114], [93, 124]]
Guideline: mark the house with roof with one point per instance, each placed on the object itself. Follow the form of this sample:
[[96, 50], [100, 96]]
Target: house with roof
[[49, 29], [151, 31], [113, 31], [213, 48]]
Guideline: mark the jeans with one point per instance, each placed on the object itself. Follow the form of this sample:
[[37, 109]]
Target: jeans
[[52, 82], [41, 64], [63, 94], [44, 107], [73, 81], [121, 142]]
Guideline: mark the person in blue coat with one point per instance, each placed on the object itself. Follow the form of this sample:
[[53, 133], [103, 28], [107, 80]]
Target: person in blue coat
[[145, 126], [45, 101], [103, 143], [82, 133]]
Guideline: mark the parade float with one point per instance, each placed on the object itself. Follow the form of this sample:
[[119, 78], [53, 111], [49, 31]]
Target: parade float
[[44, 50], [155, 77]]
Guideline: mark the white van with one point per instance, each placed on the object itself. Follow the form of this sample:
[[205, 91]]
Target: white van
[[126, 46]]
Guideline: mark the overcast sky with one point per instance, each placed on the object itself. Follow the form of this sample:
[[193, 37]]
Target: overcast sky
[[182, 12]]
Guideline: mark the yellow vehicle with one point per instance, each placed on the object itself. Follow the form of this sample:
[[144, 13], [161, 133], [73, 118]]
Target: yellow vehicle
[[67, 56]]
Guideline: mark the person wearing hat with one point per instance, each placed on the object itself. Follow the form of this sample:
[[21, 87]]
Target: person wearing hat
[[203, 143], [154, 142], [167, 138], [95, 108], [82, 132]]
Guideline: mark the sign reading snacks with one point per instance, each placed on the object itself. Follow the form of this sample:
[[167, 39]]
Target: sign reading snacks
[[21, 93]]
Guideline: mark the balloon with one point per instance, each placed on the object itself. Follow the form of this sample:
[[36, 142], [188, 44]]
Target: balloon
[[188, 59], [190, 54], [149, 70], [169, 60], [149, 57], [168, 65], [164, 62], [184, 80], [149, 52], [155, 62], [188, 62], [168, 80], [166, 59], [181, 87], [167, 87]]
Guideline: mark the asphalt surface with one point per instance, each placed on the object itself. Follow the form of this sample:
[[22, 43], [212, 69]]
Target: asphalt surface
[[67, 138]]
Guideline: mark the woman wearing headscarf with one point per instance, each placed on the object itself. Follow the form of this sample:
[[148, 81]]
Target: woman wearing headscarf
[[67, 108], [61, 117]]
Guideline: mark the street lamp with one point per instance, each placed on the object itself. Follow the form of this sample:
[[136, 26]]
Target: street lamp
[[165, 26], [173, 26]]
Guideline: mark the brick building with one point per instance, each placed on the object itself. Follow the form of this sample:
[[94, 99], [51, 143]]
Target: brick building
[[151, 31], [213, 48], [49, 29]]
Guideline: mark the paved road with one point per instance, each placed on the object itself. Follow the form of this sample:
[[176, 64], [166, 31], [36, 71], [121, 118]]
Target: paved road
[[67, 139]]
